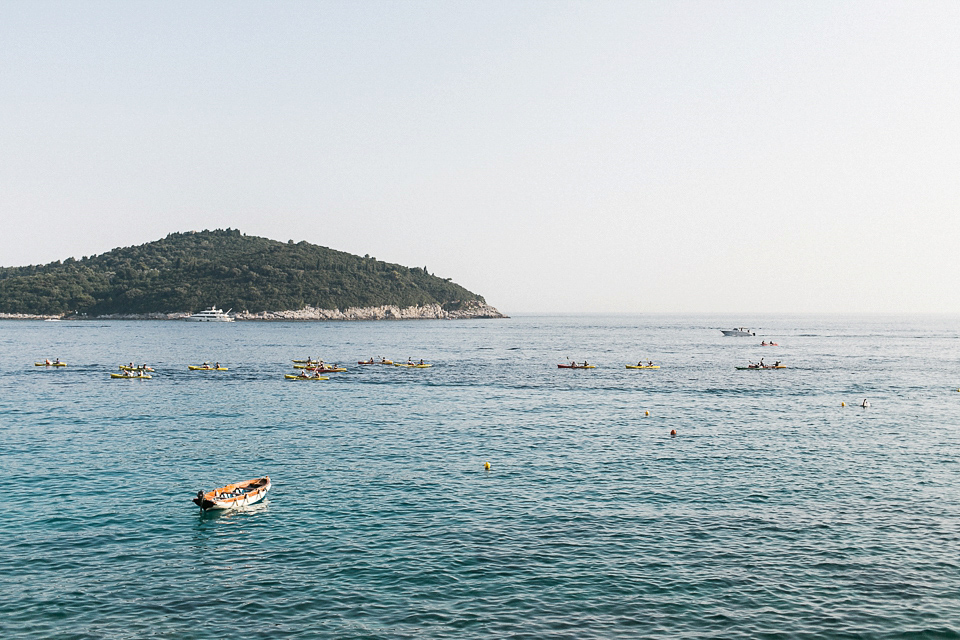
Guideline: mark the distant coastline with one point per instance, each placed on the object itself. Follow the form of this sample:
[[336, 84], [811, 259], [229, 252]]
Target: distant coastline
[[468, 310]]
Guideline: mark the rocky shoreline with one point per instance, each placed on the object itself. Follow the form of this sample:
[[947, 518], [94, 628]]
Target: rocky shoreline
[[464, 311]]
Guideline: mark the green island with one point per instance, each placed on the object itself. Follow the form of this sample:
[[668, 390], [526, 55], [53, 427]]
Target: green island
[[257, 277]]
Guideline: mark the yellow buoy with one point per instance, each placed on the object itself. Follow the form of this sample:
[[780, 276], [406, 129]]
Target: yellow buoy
[[486, 465], [843, 404], [647, 413]]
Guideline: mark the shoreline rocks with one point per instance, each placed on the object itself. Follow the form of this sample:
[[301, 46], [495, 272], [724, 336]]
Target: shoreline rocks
[[472, 309]]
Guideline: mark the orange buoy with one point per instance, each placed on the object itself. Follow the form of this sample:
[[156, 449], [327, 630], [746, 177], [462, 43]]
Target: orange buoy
[[647, 413], [673, 432], [843, 404]]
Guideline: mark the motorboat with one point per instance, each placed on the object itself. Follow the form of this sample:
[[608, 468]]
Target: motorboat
[[738, 332], [234, 496], [211, 315]]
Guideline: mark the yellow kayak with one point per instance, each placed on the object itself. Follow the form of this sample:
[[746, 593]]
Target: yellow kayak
[[314, 367], [205, 368], [307, 361], [412, 366], [125, 367], [121, 376], [634, 366], [51, 364], [289, 377]]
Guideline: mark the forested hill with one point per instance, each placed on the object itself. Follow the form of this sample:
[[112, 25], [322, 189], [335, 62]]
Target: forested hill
[[191, 271]]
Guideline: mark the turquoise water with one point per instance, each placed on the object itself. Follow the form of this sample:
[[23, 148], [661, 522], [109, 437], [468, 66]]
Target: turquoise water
[[775, 512]]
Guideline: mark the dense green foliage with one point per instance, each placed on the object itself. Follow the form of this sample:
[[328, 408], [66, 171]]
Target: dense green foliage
[[191, 271]]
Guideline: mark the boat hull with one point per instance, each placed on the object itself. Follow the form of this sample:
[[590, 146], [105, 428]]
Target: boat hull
[[737, 333], [234, 496], [412, 366], [52, 364], [572, 366], [199, 368], [290, 377], [633, 366], [120, 376]]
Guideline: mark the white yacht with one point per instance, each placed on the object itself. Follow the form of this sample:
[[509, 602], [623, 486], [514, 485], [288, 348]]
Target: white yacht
[[211, 315], [738, 331]]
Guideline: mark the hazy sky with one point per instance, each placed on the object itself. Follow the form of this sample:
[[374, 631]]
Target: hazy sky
[[552, 156]]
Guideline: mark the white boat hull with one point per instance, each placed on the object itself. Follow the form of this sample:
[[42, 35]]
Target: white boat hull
[[208, 503], [245, 501]]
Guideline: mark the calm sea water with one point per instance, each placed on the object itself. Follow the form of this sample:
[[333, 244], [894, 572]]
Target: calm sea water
[[775, 512]]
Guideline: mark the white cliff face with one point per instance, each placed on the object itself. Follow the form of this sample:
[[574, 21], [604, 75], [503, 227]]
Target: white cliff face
[[466, 310], [386, 312]]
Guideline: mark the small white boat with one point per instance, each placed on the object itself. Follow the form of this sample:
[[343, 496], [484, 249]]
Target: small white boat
[[738, 331], [211, 315], [234, 496]]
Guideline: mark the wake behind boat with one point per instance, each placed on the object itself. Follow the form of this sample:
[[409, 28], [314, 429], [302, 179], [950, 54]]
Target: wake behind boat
[[234, 496]]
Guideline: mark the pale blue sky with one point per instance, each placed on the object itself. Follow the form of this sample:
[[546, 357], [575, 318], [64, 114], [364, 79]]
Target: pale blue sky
[[553, 156]]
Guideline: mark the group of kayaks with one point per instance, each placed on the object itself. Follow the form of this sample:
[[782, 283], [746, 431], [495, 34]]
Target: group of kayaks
[[310, 369], [585, 365], [410, 364]]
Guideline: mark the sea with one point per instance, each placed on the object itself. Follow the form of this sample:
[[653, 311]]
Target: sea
[[781, 508]]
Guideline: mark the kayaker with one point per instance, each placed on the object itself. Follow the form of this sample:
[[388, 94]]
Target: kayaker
[[47, 361], [410, 361], [640, 363], [216, 366], [421, 361], [649, 363]]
